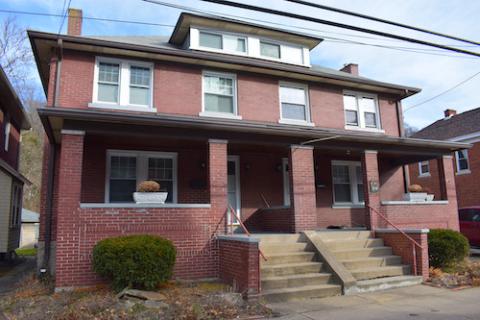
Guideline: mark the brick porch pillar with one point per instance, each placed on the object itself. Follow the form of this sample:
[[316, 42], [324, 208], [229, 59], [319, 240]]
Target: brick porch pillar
[[69, 189], [446, 172], [302, 184], [371, 181], [217, 168]]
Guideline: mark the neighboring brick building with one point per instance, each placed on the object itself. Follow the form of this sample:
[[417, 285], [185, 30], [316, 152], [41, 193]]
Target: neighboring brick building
[[12, 120], [221, 113], [462, 127]]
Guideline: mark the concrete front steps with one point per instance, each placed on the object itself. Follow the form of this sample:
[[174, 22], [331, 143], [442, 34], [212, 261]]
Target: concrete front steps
[[369, 261], [292, 270]]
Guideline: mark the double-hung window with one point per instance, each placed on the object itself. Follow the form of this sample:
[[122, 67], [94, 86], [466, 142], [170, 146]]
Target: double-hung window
[[294, 106], [126, 169], [424, 169], [361, 111], [123, 84], [461, 157], [347, 183], [219, 94], [270, 50], [222, 42]]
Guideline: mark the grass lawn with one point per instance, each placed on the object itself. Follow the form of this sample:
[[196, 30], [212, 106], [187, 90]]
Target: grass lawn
[[26, 252]]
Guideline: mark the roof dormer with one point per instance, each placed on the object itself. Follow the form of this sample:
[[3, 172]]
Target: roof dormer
[[227, 36]]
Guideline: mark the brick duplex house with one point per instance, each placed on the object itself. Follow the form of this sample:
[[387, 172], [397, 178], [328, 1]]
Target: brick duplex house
[[463, 127], [221, 113], [12, 120]]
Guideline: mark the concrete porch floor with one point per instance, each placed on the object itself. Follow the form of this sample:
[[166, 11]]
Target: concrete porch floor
[[417, 302]]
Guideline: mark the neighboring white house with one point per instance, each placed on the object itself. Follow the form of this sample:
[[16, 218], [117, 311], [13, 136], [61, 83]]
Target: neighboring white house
[[29, 230]]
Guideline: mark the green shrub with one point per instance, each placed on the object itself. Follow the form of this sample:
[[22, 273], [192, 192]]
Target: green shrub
[[446, 248], [138, 261]]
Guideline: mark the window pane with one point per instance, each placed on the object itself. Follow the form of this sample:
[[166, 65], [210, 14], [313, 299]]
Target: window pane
[[140, 96], [424, 167], [351, 117], [462, 160], [216, 84], [350, 102], [161, 170], [293, 111], [292, 54], [123, 167], [233, 43], [342, 193], [341, 174], [370, 119], [210, 40], [108, 72], [108, 92], [215, 103], [122, 190], [140, 76], [367, 104], [293, 95], [270, 50]]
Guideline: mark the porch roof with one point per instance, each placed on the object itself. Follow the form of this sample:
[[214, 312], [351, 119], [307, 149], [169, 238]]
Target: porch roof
[[193, 127]]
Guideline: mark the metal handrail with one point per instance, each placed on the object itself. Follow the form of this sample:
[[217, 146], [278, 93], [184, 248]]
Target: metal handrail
[[264, 200], [413, 241]]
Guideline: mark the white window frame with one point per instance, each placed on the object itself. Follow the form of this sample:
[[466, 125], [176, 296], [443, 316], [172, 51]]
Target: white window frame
[[124, 85], [457, 162], [206, 113], [352, 165], [420, 171], [142, 167], [308, 121], [360, 113], [282, 46], [223, 34], [8, 126]]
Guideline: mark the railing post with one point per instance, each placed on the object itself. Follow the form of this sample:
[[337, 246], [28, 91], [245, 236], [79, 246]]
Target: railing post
[[415, 271]]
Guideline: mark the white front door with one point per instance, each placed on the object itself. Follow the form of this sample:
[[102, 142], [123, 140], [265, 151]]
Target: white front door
[[233, 189], [286, 182]]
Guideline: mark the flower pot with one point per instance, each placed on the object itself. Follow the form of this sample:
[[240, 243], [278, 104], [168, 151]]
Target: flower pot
[[430, 197], [415, 196], [150, 197]]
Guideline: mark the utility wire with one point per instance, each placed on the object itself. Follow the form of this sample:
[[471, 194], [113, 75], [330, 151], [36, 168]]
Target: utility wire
[[335, 24], [364, 16], [442, 93], [65, 13]]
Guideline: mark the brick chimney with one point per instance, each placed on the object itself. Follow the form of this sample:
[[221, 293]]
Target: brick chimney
[[449, 113], [351, 68], [74, 22]]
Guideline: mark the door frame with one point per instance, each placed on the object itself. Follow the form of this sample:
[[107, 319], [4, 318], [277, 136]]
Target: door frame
[[238, 209], [286, 182]]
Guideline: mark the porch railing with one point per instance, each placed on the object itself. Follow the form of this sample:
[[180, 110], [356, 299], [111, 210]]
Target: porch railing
[[414, 243]]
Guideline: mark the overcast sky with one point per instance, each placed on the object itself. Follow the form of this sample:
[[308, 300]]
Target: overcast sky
[[430, 70]]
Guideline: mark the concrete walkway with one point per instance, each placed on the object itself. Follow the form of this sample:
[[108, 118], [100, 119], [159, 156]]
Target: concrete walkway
[[417, 302]]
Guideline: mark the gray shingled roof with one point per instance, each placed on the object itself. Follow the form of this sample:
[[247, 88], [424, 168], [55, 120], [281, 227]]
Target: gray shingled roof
[[459, 125]]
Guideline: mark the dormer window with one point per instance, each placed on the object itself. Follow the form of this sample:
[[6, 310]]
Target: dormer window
[[223, 42], [270, 50]]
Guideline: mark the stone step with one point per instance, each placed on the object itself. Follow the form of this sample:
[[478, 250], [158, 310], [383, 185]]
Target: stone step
[[290, 269], [362, 253], [372, 262], [354, 244], [313, 291], [290, 257], [295, 280], [280, 248], [388, 283], [343, 234], [380, 272], [280, 238]]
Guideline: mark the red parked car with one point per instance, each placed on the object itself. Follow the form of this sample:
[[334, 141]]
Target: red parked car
[[470, 224]]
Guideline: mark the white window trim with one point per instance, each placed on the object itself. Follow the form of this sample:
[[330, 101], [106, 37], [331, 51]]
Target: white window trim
[[422, 174], [124, 85], [142, 170], [308, 121], [361, 125], [282, 45], [457, 163], [206, 113], [222, 34], [15, 217], [7, 134], [353, 184]]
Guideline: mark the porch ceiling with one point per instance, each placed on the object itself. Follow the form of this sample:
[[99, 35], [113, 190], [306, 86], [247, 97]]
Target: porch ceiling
[[401, 150]]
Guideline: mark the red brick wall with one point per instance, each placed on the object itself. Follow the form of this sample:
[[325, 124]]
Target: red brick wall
[[468, 192], [271, 220], [239, 265], [403, 247], [10, 156], [431, 183], [423, 216]]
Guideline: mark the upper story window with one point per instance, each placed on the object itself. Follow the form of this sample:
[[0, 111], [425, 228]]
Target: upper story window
[[463, 165], [347, 183], [123, 84], [7, 134], [424, 169], [361, 111], [294, 106], [270, 50], [219, 94], [223, 42]]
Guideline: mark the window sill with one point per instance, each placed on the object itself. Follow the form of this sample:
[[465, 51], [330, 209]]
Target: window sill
[[347, 127], [112, 106], [145, 205], [296, 122], [219, 115], [425, 175], [462, 172], [349, 206]]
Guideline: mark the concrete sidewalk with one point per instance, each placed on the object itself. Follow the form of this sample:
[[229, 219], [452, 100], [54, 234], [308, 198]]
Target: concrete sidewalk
[[417, 302]]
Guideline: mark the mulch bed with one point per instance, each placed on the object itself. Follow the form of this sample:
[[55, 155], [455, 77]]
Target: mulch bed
[[462, 276]]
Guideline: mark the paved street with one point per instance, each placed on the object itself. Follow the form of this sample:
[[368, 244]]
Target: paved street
[[417, 302]]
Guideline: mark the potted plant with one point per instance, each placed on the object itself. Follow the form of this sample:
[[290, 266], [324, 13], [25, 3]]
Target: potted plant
[[149, 192], [415, 193]]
